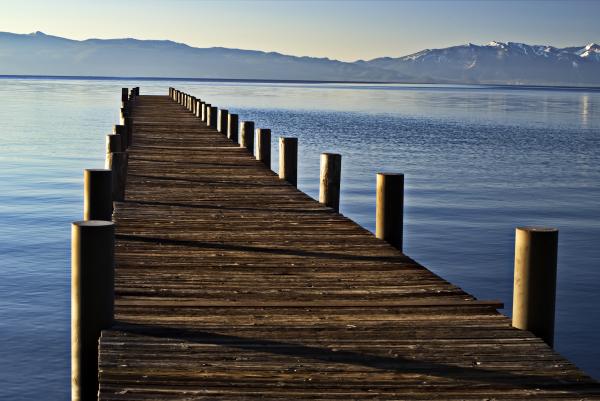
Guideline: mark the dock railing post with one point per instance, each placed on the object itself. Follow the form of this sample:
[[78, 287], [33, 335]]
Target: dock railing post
[[129, 128], [114, 143], [390, 208], [121, 130], [329, 187], [92, 301], [198, 109], [288, 160], [247, 135], [534, 295], [202, 111], [117, 163], [123, 116], [205, 111], [263, 146], [124, 95], [97, 194], [232, 127], [222, 121], [211, 117]]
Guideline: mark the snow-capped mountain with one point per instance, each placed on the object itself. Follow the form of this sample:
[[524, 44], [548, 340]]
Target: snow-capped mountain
[[502, 63], [496, 62]]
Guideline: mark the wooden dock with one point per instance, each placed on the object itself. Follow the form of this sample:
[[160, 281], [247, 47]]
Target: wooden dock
[[232, 284]]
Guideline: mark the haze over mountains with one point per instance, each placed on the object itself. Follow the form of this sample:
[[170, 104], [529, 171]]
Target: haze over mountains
[[494, 63]]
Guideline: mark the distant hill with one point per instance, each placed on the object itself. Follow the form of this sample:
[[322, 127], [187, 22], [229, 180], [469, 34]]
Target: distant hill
[[496, 62]]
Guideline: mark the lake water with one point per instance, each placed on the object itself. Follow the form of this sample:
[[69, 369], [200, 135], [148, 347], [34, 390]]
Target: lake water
[[478, 161]]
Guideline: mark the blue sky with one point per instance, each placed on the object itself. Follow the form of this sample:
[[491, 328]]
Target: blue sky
[[346, 30]]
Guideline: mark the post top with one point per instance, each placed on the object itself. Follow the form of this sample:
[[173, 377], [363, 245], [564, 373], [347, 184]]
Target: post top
[[222, 110], [93, 223], [288, 138], [538, 229], [330, 154], [95, 170], [392, 174], [263, 130]]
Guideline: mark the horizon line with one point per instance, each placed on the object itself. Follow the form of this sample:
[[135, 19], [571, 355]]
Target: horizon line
[[299, 81]]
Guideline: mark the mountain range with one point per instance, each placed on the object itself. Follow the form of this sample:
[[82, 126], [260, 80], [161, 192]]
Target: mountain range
[[493, 63]]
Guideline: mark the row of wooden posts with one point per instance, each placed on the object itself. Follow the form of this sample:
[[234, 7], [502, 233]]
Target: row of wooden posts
[[92, 282]]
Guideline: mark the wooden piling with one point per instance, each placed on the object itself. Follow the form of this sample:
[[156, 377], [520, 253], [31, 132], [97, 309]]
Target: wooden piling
[[232, 127], [329, 188], [263, 146], [247, 135], [211, 117], [288, 160], [390, 208], [92, 301], [198, 108], [222, 121], [121, 130], [117, 163], [534, 294], [97, 194], [205, 109], [123, 115], [114, 143], [124, 94], [129, 128]]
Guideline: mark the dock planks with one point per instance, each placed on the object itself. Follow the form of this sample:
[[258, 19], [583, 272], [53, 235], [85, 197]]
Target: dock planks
[[232, 284]]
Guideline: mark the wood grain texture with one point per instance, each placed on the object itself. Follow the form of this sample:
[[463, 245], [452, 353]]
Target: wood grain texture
[[231, 284]]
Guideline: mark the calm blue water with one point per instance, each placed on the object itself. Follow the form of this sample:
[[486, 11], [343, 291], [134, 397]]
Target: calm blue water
[[478, 161]]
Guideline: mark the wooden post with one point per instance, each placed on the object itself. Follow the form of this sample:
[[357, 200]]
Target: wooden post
[[534, 294], [193, 105], [329, 188], [123, 116], [222, 121], [97, 194], [117, 163], [114, 143], [92, 301], [247, 135], [129, 127], [263, 146], [390, 208], [211, 117], [121, 130], [288, 160], [232, 127], [205, 108], [198, 110], [124, 93]]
